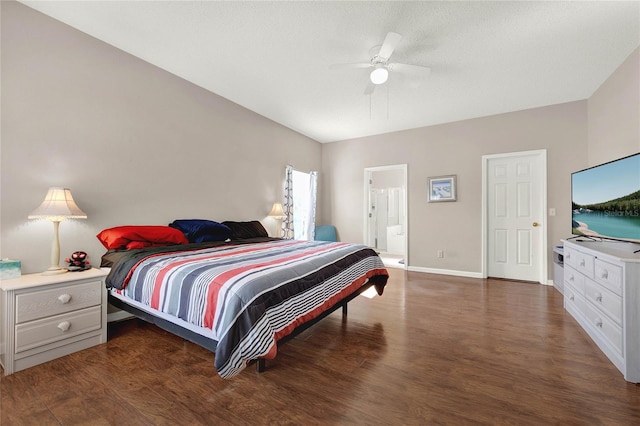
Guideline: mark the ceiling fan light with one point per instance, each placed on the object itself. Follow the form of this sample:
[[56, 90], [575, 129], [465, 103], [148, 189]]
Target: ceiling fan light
[[379, 75]]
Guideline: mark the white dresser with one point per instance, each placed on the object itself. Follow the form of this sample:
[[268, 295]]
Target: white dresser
[[602, 292], [46, 317]]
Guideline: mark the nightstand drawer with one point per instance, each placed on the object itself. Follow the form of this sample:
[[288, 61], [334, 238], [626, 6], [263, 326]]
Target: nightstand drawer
[[41, 332], [45, 303]]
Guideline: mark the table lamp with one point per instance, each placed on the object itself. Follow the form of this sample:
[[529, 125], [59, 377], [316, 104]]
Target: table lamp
[[278, 214], [57, 206]]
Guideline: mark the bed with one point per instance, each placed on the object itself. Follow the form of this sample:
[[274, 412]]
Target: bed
[[242, 296]]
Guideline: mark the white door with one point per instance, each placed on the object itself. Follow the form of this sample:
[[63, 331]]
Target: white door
[[515, 196]]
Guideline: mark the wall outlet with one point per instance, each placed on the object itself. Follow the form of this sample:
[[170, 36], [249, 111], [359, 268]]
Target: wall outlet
[[440, 254]]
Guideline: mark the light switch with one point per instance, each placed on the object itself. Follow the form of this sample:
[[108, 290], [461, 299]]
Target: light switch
[[552, 211]]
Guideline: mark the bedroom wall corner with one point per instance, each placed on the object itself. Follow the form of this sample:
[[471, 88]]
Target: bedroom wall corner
[[136, 144], [614, 114]]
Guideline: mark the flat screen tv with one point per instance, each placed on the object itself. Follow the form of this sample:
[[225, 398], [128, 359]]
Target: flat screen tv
[[606, 200]]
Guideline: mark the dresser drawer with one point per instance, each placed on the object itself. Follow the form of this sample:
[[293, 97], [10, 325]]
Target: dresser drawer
[[54, 301], [574, 279], [604, 326], [48, 330], [581, 262], [570, 257], [609, 275], [584, 263], [573, 298], [604, 300]]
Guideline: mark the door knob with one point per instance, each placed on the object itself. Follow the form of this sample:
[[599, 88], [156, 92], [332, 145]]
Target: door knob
[[535, 224]]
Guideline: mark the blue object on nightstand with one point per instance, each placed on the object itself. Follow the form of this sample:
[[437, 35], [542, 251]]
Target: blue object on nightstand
[[10, 269]]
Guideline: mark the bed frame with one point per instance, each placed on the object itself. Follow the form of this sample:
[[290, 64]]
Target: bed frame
[[211, 344]]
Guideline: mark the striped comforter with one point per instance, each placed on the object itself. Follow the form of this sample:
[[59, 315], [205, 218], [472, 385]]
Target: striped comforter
[[251, 295]]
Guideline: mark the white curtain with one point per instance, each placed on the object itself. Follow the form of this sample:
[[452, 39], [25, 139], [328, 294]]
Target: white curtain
[[287, 206], [300, 204], [311, 219]]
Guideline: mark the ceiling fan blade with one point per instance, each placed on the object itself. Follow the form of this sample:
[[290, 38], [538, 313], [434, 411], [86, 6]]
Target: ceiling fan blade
[[414, 69], [370, 88], [389, 45], [349, 66]]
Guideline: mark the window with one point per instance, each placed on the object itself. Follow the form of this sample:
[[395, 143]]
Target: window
[[300, 204], [302, 208]]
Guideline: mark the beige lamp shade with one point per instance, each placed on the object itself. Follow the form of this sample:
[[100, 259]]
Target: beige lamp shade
[[277, 211], [58, 205]]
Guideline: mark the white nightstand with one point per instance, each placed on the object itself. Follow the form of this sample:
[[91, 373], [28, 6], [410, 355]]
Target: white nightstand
[[46, 317]]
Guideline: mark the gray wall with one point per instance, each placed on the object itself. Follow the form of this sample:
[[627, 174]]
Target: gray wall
[[614, 114], [455, 148], [575, 135], [135, 144]]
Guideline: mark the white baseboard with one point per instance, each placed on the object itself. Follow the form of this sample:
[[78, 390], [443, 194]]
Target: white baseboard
[[445, 272], [457, 273]]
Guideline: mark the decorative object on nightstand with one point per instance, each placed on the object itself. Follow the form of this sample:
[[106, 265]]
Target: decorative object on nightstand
[[10, 269], [78, 261], [57, 206], [278, 214]]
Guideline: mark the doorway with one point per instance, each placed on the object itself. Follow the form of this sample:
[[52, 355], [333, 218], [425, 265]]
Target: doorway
[[385, 213], [514, 229]]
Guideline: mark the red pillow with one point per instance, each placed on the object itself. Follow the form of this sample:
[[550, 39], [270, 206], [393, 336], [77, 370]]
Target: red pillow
[[142, 244], [120, 236]]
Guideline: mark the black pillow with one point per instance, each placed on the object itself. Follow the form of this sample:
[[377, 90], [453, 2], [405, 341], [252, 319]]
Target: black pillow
[[202, 230], [242, 230]]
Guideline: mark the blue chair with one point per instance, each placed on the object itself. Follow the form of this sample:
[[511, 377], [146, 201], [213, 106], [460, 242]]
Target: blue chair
[[326, 233]]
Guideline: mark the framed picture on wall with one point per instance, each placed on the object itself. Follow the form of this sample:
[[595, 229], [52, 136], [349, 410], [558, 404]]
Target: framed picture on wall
[[442, 188]]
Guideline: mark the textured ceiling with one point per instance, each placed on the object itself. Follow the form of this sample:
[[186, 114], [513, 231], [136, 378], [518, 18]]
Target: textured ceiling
[[273, 57]]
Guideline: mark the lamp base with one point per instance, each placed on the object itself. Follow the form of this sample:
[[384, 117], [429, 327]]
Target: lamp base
[[54, 271], [278, 233]]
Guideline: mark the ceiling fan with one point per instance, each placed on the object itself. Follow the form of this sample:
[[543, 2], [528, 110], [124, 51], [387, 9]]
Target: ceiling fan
[[381, 65]]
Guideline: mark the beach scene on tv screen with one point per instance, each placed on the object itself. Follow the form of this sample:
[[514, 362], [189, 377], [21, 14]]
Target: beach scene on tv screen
[[606, 200]]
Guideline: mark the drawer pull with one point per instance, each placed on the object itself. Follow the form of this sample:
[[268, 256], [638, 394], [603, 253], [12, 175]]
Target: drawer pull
[[598, 297], [605, 274], [64, 325], [64, 298], [582, 263], [598, 322], [571, 278], [571, 297]]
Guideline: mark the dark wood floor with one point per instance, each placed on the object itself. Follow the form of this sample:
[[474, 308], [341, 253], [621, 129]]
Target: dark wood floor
[[432, 350]]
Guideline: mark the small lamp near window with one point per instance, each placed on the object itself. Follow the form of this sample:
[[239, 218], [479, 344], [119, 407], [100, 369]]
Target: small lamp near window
[[278, 214], [57, 206]]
